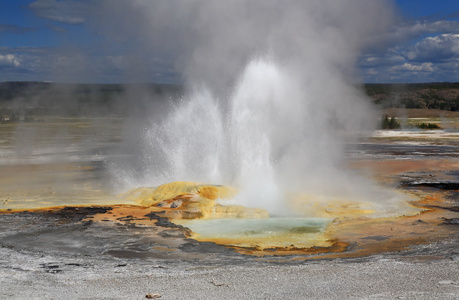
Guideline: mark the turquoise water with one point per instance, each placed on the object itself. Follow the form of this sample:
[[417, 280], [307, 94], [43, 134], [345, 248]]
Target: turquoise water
[[257, 228]]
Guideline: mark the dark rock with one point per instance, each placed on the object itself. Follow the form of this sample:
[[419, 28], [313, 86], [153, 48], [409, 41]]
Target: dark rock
[[68, 214], [419, 222], [170, 204], [446, 186], [376, 238], [73, 264], [173, 233], [450, 208], [176, 203], [453, 221], [53, 269], [162, 221], [126, 218], [205, 247], [87, 223]]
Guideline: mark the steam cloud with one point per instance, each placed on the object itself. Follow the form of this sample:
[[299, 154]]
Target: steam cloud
[[271, 91]]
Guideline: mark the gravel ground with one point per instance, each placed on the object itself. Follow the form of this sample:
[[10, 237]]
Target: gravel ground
[[38, 276]]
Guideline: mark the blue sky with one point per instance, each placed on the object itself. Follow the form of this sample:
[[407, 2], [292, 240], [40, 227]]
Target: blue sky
[[424, 48], [57, 40]]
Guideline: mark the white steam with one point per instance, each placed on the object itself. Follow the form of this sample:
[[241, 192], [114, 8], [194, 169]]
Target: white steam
[[272, 96]]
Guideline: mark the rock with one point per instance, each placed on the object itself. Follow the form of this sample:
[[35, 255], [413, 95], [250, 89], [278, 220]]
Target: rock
[[176, 203], [171, 203], [452, 221], [191, 200], [173, 233]]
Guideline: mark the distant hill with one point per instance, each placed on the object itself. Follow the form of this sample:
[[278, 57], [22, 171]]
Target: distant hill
[[443, 96], [28, 91], [21, 99]]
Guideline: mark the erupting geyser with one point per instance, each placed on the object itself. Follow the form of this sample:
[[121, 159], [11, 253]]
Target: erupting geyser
[[271, 98]]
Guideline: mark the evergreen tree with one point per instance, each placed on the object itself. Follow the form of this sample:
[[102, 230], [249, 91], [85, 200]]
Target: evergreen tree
[[393, 124]]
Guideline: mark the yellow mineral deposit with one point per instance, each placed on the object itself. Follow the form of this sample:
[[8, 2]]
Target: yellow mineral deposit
[[195, 205], [251, 230], [191, 200], [323, 207], [323, 226]]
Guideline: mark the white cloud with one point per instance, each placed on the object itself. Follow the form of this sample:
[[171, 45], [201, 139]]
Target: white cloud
[[9, 60], [419, 51], [389, 58], [424, 67], [403, 32], [438, 48]]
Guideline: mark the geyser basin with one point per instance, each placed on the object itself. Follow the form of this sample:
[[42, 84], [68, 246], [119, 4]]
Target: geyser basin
[[208, 212], [261, 233]]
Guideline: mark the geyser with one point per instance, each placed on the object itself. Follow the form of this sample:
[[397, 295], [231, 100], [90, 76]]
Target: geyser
[[271, 98]]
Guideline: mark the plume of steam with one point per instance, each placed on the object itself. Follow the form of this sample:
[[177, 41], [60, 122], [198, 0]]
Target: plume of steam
[[273, 85], [211, 41]]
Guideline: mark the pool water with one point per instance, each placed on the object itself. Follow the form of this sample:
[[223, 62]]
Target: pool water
[[270, 232]]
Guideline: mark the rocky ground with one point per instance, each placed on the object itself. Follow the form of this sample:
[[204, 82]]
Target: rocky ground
[[107, 252], [130, 251]]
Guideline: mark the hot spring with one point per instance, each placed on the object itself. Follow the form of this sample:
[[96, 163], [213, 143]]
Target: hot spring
[[271, 103], [272, 140], [278, 145]]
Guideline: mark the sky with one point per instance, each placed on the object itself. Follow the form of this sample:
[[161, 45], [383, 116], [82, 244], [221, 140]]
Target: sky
[[76, 41]]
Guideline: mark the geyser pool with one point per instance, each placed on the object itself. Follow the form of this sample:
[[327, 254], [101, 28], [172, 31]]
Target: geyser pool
[[262, 233]]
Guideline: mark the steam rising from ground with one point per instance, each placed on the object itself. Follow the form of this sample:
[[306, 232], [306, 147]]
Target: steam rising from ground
[[271, 95]]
